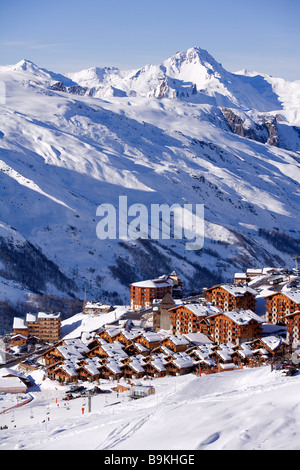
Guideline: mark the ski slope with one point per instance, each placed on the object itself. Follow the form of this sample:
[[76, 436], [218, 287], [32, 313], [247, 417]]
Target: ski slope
[[249, 409]]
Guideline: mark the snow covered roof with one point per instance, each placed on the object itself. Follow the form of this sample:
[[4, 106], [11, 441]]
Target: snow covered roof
[[114, 366], [162, 281], [69, 352], [48, 315], [292, 294], [136, 365], [12, 385], [30, 317], [151, 337], [19, 324], [158, 364], [178, 340], [198, 338], [77, 344], [238, 291], [243, 317], [272, 342], [69, 367], [201, 309], [97, 306], [183, 361]]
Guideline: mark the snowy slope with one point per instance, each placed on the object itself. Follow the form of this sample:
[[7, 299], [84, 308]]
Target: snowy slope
[[249, 409], [156, 135]]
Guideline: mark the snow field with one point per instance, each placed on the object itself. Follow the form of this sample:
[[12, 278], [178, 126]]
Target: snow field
[[238, 410]]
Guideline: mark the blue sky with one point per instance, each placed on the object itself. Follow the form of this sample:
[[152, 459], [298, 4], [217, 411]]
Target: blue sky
[[67, 36]]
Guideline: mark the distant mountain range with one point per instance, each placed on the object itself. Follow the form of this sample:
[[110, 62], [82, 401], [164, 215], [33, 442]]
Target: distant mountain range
[[185, 131]]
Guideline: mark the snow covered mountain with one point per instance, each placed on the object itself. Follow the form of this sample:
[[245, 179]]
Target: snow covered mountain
[[185, 131]]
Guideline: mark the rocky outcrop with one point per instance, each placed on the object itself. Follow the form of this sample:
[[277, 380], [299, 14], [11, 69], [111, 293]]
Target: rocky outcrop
[[265, 131]]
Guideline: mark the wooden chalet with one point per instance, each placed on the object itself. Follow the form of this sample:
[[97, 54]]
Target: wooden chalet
[[97, 351], [111, 370], [155, 368], [133, 370], [242, 354], [52, 355], [281, 304], [20, 327], [125, 337], [109, 335], [273, 346], [186, 318], [175, 343], [97, 308], [180, 365], [161, 350], [292, 321], [230, 297], [18, 340], [65, 372], [234, 326], [89, 371], [134, 349], [149, 340]]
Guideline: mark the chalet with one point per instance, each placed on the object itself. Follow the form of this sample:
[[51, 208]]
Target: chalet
[[111, 370], [155, 368], [161, 350], [185, 318], [242, 354], [222, 354], [18, 340], [109, 334], [292, 321], [65, 372], [202, 360], [89, 370], [236, 326], [241, 278], [134, 349], [280, 304], [114, 350], [125, 337], [143, 293], [52, 355], [149, 340], [175, 343], [97, 351], [20, 327], [272, 345], [97, 308], [230, 297], [180, 365], [133, 369], [253, 273]]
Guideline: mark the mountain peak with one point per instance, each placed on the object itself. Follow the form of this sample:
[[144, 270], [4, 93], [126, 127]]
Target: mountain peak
[[195, 56], [26, 65]]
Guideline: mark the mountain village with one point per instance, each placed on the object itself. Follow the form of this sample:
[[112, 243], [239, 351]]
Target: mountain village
[[253, 321], [134, 340]]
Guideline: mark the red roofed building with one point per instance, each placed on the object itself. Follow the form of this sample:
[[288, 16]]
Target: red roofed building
[[143, 293]]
